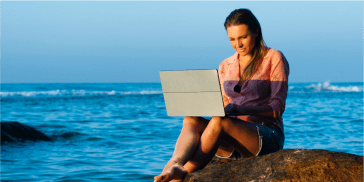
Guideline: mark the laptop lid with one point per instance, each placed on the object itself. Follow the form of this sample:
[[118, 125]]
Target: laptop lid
[[192, 93]]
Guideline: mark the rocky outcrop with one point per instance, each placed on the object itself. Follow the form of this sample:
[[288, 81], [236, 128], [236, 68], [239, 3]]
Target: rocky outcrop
[[12, 131], [285, 165]]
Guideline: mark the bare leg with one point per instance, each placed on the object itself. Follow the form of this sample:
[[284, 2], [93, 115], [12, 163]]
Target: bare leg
[[208, 146], [241, 135], [185, 147], [225, 149]]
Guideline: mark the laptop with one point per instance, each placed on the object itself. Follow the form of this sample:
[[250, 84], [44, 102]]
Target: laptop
[[193, 93]]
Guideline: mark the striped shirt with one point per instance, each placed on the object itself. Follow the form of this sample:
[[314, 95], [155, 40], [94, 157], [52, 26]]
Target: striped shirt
[[267, 86]]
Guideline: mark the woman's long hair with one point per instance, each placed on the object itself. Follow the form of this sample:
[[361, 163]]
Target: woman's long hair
[[245, 16]]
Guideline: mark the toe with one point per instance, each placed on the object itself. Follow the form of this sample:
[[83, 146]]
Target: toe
[[157, 178], [164, 178]]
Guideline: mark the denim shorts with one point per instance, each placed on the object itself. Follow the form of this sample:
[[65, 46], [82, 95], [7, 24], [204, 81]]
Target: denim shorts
[[270, 140]]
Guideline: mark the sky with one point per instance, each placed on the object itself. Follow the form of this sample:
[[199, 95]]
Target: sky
[[123, 41]]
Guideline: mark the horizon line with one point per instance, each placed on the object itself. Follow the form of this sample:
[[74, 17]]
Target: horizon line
[[149, 82]]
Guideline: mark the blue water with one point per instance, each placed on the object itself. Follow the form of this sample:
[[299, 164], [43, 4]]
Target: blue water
[[121, 132]]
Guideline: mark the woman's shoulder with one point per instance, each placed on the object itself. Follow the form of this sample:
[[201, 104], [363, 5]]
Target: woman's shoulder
[[274, 56], [273, 53]]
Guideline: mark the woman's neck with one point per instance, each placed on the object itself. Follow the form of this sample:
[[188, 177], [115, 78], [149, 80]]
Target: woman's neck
[[244, 59]]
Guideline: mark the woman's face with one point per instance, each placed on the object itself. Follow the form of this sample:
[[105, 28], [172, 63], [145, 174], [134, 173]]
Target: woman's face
[[241, 39]]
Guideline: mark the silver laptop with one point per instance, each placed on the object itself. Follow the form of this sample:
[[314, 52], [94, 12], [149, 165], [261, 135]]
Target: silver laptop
[[193, 93]]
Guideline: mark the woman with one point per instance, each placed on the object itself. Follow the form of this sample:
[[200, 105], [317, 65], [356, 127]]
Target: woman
[[253, 81]]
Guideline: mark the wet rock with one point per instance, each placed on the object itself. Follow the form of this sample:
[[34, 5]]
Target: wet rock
[[12, 131], [285, 165]]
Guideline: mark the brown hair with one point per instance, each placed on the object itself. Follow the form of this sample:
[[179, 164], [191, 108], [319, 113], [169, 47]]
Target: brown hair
[[245, 16]]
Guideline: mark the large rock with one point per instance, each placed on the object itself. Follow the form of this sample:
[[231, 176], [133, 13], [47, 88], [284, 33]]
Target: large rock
[[12, 131], [285, 165]]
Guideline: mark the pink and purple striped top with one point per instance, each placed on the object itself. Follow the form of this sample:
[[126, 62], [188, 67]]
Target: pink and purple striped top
[[267, 86]]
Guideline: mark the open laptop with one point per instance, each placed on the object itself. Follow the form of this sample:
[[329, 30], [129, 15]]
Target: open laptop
[[193, 93]]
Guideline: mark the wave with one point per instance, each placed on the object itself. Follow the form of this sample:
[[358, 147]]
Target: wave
[[325, 87], [293, 88], [74, 93]]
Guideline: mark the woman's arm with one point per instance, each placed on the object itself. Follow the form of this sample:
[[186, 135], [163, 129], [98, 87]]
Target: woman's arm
[[278, 84], [266, 111], [258, 110]]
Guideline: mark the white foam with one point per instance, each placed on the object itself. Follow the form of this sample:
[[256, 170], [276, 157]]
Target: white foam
[[141, 93], [327, 87], [30, 93], [74, 92]]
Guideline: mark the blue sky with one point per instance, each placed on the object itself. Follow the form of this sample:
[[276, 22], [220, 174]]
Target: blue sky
[[119, 41]]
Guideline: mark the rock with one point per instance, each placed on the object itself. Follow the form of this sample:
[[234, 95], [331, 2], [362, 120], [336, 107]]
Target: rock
[[12, 131], [285, 165]]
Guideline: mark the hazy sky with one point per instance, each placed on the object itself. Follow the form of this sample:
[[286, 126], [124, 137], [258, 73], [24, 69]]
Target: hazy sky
[[118, 41]]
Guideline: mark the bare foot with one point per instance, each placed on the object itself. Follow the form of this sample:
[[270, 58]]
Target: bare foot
[[176, 172]]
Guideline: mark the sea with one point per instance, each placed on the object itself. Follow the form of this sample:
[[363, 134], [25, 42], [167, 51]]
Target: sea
[[121, 131]]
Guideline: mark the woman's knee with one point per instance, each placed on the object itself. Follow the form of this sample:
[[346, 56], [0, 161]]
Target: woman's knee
[[222, 122], [195, 122], [218, 121]]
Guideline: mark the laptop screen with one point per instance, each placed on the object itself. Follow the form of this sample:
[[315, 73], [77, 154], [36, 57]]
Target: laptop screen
[[192, 93]]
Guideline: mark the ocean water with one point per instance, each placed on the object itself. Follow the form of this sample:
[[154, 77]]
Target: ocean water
[[121, 132]]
